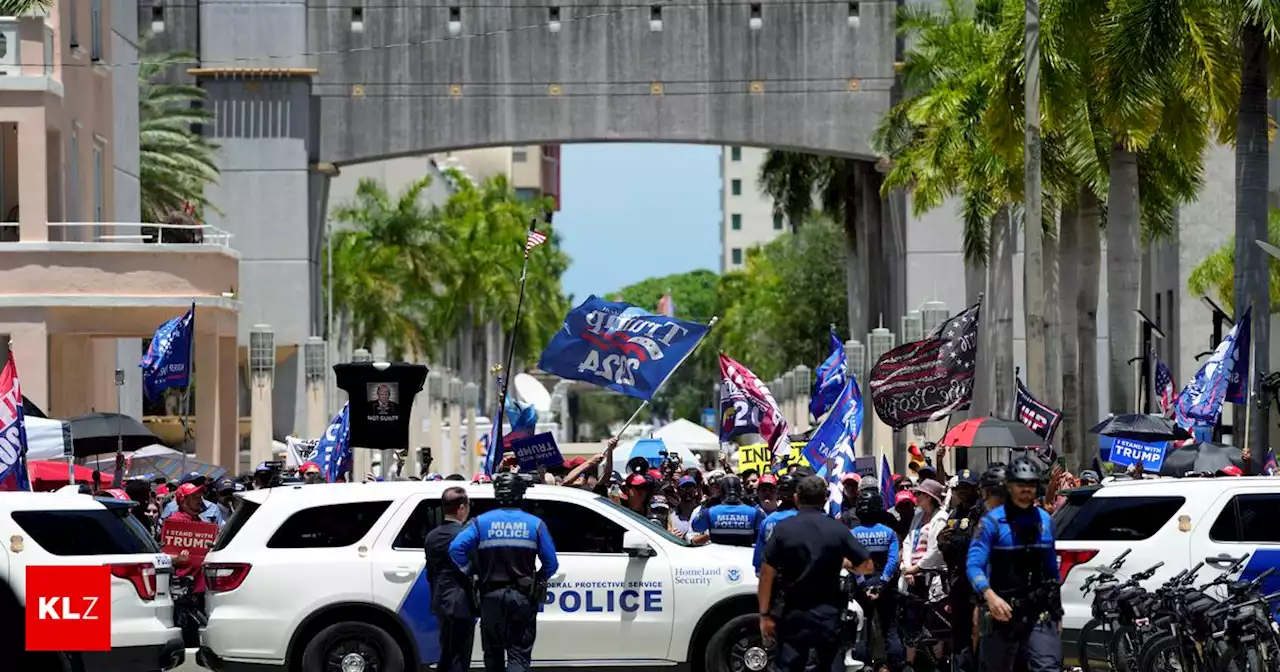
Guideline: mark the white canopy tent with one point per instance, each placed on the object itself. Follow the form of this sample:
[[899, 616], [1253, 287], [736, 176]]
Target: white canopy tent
[[685, 435]]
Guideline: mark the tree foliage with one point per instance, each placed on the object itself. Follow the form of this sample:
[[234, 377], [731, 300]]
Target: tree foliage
[[175, 163], [1215, 276]]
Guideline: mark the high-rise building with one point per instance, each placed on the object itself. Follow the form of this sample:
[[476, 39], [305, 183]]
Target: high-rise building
[[747, 216]]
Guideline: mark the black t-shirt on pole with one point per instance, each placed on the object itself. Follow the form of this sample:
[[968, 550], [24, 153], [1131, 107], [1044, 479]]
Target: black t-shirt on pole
[[381, 400]]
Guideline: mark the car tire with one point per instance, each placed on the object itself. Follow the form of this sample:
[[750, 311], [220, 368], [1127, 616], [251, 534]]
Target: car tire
[[325, 651], [737, 646]]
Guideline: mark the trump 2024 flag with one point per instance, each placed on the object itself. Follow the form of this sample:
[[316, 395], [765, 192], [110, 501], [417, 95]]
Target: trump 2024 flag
[[13, 433], [620, 347]]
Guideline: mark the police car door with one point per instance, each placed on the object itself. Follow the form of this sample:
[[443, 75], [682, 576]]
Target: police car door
[[607, 607], [1240, 521], [398, 565]]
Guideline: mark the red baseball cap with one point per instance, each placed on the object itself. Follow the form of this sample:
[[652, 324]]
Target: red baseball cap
[[188, 489], [851, 476], [904, 496], [636, 479], [308, 467], [767, 479], [1232, 470]]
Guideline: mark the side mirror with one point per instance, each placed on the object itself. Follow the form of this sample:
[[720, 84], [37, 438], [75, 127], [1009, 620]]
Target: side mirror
[[636, 545]]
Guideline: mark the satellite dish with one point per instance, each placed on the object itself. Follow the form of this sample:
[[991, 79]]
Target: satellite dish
[[530, 391]]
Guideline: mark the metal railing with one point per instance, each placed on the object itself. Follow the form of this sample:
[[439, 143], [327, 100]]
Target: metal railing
[[114, 232]]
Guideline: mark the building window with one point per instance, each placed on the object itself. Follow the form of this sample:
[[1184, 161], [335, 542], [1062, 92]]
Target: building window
[[777, 221], [735, 187], [737, 256], [735, 154], [73, 180], [519, 156], [73, 26], [526, 194], [736, 222], [98, 191], [95, 30]]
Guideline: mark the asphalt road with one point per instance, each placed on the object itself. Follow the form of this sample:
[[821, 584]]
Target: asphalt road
[[190, 665]]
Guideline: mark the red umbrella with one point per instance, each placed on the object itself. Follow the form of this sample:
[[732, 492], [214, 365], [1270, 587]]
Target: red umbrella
[[991, 433], [41, 470]]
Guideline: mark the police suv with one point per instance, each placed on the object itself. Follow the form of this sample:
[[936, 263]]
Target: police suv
[[1177, 521], [332, 577], [40, 529]]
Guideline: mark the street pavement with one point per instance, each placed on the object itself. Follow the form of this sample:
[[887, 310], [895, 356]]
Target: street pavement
[[190, 665]]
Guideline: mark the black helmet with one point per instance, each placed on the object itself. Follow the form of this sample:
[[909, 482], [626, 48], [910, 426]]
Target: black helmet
[[787, 487], [870, 505], [731, 488], [508, 488], [994, 476], [1023, 471]]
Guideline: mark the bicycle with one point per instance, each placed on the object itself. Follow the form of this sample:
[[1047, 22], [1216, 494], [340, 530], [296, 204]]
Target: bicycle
[[934, 636], [1118, 608]]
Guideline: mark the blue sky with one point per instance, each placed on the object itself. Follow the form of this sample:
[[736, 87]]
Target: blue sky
[[633, 211]]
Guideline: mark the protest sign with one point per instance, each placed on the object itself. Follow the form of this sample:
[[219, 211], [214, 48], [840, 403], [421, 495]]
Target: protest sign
[[755, 456], [539, 450], [1127, 452], [193, 538]]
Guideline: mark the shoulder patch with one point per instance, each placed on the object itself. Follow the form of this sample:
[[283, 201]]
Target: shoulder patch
[[952, 523], [964, 524]]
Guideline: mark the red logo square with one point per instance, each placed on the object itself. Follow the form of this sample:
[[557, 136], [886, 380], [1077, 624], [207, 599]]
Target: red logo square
[[69, 608]]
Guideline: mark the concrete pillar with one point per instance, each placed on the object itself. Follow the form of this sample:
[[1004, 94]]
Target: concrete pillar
[[880, 341], [127, 353], [208, 375], [315, 361], [228, 404], [435, 422], [417, 434], [29, 347], [262, 363], [71, 361], [457, 446], [33, 167], [856, 355], [802, 386], [470, 401]]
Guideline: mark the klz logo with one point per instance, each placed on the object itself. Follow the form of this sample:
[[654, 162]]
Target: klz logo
[[69, 604]]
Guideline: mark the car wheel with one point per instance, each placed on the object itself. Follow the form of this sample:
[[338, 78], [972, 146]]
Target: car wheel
[[738, 647], [353, 647]]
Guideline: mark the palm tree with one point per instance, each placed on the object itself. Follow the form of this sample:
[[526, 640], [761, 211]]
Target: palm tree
[[1216, 275], [23, 7], [388, 261], [789, 178], [175, 163]]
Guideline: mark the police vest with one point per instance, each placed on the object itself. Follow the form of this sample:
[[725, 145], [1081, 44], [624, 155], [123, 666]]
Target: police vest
[[733, 524], [1022, 565], [880, 541]]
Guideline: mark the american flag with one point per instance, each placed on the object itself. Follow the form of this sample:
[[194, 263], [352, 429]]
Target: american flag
[[1164, 386], [534, 239], [930, 379], [666, 306]]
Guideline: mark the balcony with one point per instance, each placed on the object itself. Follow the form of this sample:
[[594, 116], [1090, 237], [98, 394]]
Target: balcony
[[27, 55], [89, 265]]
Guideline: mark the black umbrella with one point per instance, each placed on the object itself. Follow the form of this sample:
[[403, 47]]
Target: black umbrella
[[1141, 427], [1199, 457], [100, 433]]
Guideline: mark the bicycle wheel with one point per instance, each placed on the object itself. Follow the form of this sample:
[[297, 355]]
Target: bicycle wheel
[[1082, 647], [1123, 650], [1161, 654]]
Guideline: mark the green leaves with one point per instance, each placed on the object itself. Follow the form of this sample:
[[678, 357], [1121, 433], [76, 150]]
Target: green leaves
[[175, 163], [1215, 276]]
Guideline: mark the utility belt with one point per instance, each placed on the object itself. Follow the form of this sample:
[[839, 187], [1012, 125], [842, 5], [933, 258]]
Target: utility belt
[[1039, 606], [533, 588]]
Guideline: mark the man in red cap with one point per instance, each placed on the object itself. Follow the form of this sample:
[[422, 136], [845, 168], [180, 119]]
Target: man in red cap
[[767, 493], [637, 488], [190, 499]]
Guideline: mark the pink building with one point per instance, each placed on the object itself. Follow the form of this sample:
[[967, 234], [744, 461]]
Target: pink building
[[81, 280]]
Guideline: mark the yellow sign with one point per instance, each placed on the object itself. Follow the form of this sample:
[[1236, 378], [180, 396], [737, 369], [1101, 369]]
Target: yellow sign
[[755, 456]]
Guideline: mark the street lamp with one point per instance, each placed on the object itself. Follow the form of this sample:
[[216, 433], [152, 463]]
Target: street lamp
[[1149, 332]]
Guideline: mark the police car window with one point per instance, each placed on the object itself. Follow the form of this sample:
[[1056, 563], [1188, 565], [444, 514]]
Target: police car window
[[648, 524], [425, 517], [1248, 518], [331, 526], [86, 532], [573, 528], [1118, 518]]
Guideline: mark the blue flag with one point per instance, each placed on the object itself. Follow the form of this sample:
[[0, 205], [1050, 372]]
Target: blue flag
[[333, 450], [493, 451], [837, 433], [620, 347], [887, 491], [522, 416], [168, 360], [1200, 402], [828, 379]]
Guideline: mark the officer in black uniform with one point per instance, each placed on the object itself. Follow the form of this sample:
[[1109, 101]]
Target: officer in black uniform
[[953, 541], [1014, 569], [500, 548], [452, 595], [802, 563]]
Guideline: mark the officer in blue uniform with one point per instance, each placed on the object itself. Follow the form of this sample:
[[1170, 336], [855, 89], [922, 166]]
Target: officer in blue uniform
[[786, 509], [732, 522], [1014, 569], [878, 590], [499, 547]]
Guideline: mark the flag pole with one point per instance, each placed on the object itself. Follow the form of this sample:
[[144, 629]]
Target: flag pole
[[186, 391], [645, 404], [504, 374], [1248, 403]]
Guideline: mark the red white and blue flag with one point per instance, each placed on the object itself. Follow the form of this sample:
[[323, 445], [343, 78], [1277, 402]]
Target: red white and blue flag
[[13, 432], [534, 239], [748, 407], [1164, 386], [667, 307]]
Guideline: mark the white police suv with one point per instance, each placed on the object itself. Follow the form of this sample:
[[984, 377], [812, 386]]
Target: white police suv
[[1178, 521], [45, 529], [331, 577]]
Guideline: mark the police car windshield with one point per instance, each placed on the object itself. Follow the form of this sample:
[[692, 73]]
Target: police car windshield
[[666, 534]]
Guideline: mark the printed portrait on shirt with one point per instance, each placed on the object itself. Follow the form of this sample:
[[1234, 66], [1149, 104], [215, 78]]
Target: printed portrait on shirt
[[384, 400]]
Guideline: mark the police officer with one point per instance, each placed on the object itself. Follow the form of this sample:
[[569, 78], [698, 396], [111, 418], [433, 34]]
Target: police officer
[[452, 595], [732, 522], [954, 544], [993, 485], [786, 509], [799, 591], [1014, 569], [499, 547], [877, 591]]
